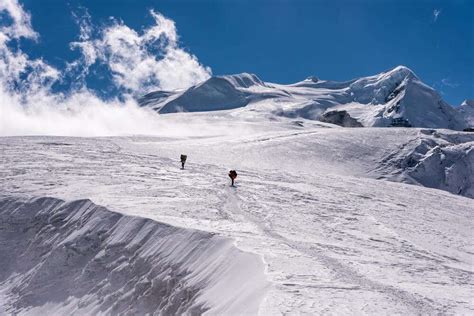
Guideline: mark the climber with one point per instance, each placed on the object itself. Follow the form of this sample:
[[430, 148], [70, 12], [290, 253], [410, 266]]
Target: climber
[[232, 176], [183, 160]]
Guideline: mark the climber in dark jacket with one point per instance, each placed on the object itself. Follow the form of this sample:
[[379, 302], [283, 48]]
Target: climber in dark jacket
[[183, 160], [232, 176]]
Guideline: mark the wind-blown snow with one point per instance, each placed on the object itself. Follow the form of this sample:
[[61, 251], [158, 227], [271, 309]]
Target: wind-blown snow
[[39, 98], [80, 258]]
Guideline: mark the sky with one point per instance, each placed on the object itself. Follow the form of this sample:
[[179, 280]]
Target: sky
[[173, 44]]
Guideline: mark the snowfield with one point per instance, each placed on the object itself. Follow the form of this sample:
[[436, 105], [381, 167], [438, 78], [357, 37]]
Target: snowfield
[[322, 220]]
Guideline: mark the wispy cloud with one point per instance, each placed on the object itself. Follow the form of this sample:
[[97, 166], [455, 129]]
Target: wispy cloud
[[140, 61], [137, 60], [21, 21], [17, 71], [436, 13], [449, 83]]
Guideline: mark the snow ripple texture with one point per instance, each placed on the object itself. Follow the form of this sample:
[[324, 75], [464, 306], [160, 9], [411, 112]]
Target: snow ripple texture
[[80, 258]]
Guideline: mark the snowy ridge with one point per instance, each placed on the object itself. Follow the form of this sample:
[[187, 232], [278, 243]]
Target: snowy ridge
[[396, 97], [80, 258], [333, 238], [466, 113], [436, 159], [216, 93]]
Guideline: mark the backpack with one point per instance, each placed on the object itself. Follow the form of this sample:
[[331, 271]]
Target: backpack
[[233, 174]]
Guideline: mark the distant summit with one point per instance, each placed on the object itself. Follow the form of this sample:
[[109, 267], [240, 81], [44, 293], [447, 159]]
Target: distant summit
[[466, 113], [396, 97], [312, 79], [468, 103]]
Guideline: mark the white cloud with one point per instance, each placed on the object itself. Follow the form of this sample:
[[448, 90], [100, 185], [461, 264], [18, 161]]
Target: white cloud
[[21, 21], [436, 14], [141, 61], [28, 106], [449, 83], [17, 70], [163, 27], [80, 67]]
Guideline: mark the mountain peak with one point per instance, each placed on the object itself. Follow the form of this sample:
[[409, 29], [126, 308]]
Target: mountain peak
[[243, 80], [312, 79], [385, 99], [400, 72], [468, 103]]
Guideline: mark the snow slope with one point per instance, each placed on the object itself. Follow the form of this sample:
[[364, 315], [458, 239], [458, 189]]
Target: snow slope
[[395, 97], [216, 93], [79, 258], [437, 159], [312, 201], [466, 112]]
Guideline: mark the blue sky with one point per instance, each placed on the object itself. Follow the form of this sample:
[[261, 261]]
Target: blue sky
[[286, 41]]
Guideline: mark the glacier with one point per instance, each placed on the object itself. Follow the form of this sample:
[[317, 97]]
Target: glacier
[[396, 97]]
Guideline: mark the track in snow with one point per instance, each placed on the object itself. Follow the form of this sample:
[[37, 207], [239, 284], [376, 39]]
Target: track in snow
[[331, 242]]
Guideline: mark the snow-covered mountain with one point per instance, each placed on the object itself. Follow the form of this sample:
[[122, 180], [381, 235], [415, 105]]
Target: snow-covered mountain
[[466, 113], [393, 98], [216, 93]]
